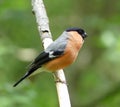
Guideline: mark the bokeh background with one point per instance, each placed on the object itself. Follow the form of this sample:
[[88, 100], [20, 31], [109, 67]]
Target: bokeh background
[[93, 80]]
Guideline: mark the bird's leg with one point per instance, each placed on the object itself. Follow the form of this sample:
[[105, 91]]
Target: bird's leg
[[58, 80], [61, 81]]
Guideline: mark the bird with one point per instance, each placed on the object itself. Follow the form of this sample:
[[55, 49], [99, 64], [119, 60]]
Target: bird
[[59, 54]]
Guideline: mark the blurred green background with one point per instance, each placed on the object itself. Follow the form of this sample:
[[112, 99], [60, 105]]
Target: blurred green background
[[94, 79]]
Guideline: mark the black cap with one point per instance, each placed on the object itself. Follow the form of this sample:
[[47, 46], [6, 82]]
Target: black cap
[[79, 30]]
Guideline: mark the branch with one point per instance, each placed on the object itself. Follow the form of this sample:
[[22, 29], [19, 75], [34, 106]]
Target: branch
[[42, 21], [45, 34]]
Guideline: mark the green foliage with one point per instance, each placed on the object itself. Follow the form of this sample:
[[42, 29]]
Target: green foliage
[[93, 79]]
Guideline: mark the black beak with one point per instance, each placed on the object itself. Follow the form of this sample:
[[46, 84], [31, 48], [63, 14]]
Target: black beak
[[84, 35]]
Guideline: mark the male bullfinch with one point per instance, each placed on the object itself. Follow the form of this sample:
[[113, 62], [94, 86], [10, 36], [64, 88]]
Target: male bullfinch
[[59, 54]]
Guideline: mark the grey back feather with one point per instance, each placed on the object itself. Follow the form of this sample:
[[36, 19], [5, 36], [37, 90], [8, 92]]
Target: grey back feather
[[59, 44]]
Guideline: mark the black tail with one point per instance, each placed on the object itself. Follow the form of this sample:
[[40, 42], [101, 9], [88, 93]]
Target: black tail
[[40, 60], [25, 76]]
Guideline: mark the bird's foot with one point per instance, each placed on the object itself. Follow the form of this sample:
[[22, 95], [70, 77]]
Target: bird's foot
[[60, 81]]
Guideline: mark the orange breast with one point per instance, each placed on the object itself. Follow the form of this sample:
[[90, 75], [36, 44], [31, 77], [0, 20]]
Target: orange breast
[[73, 46]]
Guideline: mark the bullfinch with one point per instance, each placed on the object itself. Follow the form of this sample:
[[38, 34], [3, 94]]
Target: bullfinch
[[59, 54]]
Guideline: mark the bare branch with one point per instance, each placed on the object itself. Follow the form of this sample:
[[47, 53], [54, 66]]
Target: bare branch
[[45, 34]]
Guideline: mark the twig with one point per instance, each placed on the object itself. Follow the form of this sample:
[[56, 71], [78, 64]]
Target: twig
[[45, 34]]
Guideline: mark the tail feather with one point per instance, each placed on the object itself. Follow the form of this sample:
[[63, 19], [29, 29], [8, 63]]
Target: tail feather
[[25, 76]]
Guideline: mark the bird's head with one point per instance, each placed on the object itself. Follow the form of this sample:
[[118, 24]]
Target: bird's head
[[78, 30]]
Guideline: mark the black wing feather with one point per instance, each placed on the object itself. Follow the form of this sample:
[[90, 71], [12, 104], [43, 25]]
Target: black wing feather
[[41, 56], [58, 53]]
